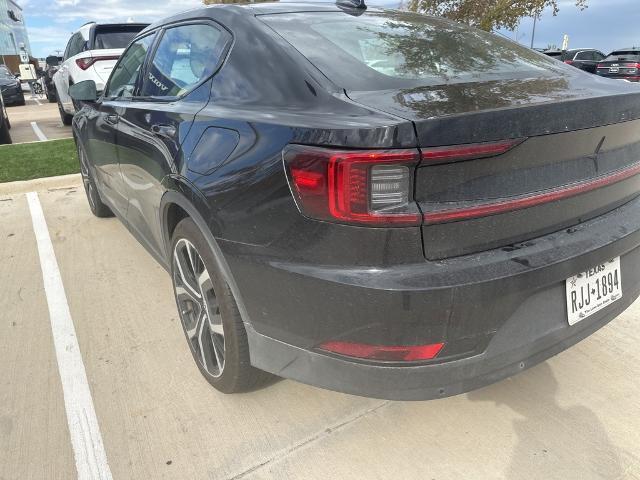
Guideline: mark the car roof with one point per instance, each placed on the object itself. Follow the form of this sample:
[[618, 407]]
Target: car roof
[[252, 9]]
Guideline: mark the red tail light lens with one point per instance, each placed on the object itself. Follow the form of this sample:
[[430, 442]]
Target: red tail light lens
[[354, 186], [456, 153], [632, 65], [398, 353], [86, 62], [569, 62]]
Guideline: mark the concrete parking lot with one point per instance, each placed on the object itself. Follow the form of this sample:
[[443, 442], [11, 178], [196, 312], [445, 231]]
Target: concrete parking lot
[[43, 114], [573, 417]]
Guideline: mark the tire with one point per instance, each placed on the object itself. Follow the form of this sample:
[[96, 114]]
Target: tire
[[98, 208], [219, 347], [64, 116], [5, 136]]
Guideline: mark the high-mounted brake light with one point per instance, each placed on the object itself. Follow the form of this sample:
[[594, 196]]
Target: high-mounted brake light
[[86, 62], [456, 153], [397, 353], [372, 187]]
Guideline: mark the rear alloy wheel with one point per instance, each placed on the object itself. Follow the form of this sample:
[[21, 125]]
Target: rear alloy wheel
[[98, 208], [209, 314]]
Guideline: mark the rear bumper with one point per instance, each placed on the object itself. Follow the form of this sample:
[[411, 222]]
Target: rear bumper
[[498, 312], [13, 97]]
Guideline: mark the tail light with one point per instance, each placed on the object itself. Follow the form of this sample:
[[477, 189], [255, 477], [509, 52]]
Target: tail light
[[632, 65], [456, 153], [601, 65], [569, 62], [397, 353], [86, 62], [356, 187]]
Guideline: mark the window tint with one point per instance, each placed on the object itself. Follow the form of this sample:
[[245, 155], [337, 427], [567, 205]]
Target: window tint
[[598, 56], [185, 56], [76, 45], [584, 56], [115, 36], [391, 50], [125, 75]]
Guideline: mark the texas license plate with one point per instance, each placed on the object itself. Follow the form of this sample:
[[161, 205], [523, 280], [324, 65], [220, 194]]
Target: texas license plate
[[591, 291]]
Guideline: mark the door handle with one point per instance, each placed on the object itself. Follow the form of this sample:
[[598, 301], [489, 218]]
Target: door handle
[[111, 119], [168, 131]]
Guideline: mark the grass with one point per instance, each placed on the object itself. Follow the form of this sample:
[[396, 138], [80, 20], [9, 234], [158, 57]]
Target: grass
[[36, 160]]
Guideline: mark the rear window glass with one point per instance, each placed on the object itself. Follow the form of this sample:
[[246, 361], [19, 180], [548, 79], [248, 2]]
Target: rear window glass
[[625, 53], [390, 49], [115, 37]]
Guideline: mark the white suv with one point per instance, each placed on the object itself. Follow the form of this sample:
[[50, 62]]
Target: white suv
[[91, 54]]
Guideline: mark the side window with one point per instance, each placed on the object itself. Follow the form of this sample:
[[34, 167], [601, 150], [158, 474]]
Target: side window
[[583, 56], [185, 56], [66, 51], [598, 56], [76, 45], [124, 77]]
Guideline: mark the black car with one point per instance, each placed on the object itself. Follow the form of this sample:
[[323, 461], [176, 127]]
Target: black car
[[583, 58], [11, 88], [52, 64], [5, 124], [622, 64], [371, 201]]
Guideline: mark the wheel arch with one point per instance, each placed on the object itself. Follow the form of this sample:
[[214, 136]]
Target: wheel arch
[[176, 205]]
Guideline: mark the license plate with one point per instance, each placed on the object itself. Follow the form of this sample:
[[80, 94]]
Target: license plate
[[614, 70], [591, 291]]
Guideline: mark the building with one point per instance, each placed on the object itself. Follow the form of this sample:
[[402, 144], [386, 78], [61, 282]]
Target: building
[[13, 34]]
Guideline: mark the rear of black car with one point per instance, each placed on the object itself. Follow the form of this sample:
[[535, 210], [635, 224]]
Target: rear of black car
[[507, 233], [621, 65]]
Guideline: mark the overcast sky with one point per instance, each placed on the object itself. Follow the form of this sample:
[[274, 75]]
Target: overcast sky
[[606, 24]]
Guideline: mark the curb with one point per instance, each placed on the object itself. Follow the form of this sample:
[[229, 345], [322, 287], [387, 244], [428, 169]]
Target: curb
[[39, 184]]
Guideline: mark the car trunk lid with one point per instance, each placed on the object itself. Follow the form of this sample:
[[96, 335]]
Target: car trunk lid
[[576, 156]]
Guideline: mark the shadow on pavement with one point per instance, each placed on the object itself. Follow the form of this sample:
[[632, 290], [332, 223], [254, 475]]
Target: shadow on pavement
[[545, 426]]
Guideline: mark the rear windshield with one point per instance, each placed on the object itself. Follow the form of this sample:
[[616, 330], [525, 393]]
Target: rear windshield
[[380, 50], [115, 36], [632, 54]]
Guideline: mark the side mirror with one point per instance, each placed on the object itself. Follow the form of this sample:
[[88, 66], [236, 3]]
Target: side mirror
[[52, 61], [84, 91]]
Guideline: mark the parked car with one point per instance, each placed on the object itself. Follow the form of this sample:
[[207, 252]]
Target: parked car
[[11, 88], [91, 54], [371, 201], [5, 124], [622, 64], [52, 64], [583, 58]]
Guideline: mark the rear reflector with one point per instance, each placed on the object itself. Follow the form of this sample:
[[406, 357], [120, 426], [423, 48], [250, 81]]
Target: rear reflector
[[398, 353], [456, 153], [509, 205], [360, 187]]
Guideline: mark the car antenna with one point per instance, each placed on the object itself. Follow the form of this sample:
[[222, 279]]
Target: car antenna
[[352, 7]]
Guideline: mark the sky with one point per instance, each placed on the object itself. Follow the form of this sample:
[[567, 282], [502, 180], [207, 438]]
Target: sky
[[606, 24]]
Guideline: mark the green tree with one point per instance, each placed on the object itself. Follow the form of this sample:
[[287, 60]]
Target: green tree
[[487, 14]]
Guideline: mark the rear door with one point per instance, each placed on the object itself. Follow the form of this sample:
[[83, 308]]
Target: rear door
[[101, 144], [76, 45], [585, 61], [174, 89]]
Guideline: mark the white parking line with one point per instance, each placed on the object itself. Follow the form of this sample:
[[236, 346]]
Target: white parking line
[[37, 101], [86, 439], [36, 129]]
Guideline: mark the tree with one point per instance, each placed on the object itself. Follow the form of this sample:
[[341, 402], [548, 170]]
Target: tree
[[488, 14]]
